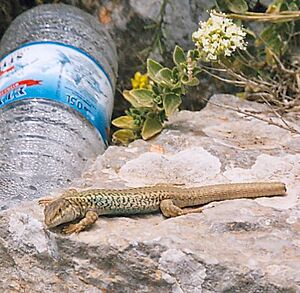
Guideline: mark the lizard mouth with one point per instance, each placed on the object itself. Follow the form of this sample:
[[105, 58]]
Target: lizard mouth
[[51, 224]]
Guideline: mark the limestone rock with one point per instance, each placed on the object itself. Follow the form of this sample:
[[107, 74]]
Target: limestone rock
[[233, 246]]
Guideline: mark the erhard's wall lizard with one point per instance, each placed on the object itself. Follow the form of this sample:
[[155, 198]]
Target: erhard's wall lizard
[[88, 205]]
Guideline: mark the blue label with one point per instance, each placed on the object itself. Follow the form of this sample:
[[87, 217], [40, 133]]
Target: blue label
[[61, 73]]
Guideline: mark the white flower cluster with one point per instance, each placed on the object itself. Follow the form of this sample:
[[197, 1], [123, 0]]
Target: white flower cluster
[[218, 36]]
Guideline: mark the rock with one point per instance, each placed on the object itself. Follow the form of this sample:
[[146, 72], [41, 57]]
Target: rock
[[233, 246]]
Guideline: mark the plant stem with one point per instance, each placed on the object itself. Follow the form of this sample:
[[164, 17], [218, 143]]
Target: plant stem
[[270, 121]]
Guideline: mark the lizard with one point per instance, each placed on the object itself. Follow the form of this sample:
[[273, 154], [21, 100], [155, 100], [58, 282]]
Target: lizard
[[88, 205]]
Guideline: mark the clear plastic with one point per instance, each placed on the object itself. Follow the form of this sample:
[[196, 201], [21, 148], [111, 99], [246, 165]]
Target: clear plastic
[[44, 144]]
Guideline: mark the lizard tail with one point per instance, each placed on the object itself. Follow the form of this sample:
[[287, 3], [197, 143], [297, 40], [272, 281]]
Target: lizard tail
[[207, 194]]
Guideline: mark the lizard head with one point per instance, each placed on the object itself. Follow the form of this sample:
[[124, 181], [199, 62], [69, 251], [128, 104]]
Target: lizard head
[[60, 211]]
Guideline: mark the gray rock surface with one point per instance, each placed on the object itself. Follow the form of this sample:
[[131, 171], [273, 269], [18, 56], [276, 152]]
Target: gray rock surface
[[233, 246]]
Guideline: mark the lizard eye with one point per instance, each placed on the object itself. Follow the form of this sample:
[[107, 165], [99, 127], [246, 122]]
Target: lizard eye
[[59, 210]]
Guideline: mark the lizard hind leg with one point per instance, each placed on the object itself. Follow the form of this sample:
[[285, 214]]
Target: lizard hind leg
[[169, 209], [45, 201]]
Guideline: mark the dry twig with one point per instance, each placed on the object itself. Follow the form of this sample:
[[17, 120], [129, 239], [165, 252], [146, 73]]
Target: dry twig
[[250, 113]]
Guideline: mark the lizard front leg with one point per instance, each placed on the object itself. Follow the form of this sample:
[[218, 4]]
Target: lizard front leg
[[169, 209], [89, 219]]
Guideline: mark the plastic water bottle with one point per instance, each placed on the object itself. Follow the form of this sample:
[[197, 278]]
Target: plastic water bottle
[[57, 79]]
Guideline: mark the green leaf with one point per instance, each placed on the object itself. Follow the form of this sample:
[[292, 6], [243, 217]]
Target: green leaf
[[178, 56], [250, 33], [131, 99], [165, 77], [270, 58], [194, 54], [275, 6], [293, 6], [123, 136], [155, 90], [171, 103], [151, 127], [152, 68], [196, 71], [124, 122], [176, 87], [193, 82], [273, 38], [165, 74], [237, 6], [143, 97]]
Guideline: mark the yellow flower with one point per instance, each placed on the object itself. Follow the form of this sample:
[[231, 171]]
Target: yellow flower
[[140, 81]]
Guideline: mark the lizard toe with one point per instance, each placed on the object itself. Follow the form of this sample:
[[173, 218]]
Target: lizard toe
[[72, 228], [45, 201]]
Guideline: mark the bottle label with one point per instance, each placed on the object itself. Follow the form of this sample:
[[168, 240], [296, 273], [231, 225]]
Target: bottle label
[[58, 72]]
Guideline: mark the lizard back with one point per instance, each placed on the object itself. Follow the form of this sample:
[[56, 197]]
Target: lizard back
[[148, 199]]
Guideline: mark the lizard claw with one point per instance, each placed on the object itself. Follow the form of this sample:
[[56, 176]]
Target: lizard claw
[[72, 228]]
